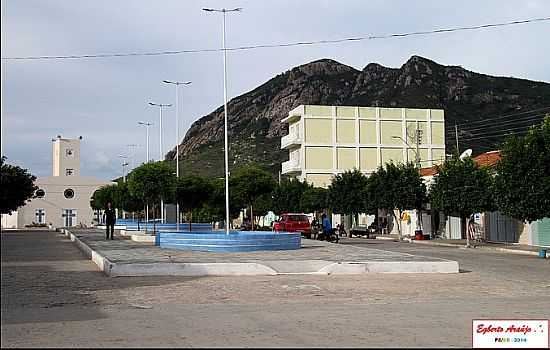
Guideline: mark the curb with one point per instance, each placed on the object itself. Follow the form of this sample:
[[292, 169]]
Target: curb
[[497, 249], [267, 268]]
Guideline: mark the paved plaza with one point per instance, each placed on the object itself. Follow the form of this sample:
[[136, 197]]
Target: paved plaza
[[124, 257]]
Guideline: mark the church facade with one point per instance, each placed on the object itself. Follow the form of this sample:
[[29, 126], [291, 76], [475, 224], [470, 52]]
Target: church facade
[[63, 199]]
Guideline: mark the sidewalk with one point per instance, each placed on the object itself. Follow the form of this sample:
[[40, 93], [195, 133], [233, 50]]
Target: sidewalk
[[125, 257], [461, 243]]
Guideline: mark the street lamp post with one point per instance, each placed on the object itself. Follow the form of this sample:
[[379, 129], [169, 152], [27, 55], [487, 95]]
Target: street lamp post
[[224, 11], [160, 105], [131, 148], [147, 125], [177, 83]]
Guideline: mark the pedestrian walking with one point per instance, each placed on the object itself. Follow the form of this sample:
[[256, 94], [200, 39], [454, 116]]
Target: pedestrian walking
[[110, 219]]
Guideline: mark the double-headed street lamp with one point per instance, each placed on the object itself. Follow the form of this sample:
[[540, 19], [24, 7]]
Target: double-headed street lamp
[[160, 105], [224, 11], [177, 84], [124, 164], [147, 125]]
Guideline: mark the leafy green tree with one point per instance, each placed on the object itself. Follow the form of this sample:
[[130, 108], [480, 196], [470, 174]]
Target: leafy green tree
[[17, 187], [287, 196], [346, 193], [248, 183], [102, 196], [151, 182], [314, 199], [262, 205], [462, 188], [215, 204], [192, 192], [522, 182], [395, 186]]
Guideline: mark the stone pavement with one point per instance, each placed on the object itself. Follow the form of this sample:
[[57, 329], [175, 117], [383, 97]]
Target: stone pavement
[[124, 257]]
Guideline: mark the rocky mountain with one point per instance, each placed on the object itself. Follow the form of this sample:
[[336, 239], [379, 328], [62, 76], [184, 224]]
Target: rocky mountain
[[255, 117]]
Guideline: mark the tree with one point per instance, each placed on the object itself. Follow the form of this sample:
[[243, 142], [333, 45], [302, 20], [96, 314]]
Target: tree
[[462, 188], [346, 193], [395, 186], [262, 205], [192, 192], [314, 199], [102, 196], [248, 183], [522, 181], [216, 202], [17, 187], [287, 196], [152, 182]]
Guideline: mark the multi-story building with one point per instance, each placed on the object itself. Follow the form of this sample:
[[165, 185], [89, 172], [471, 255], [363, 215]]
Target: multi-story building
[[326, 140]]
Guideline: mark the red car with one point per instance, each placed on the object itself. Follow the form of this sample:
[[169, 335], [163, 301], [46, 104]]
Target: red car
[[292, 222]]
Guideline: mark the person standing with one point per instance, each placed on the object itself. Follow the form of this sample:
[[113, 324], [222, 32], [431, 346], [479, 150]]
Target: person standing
[[110, 219], [327, 226]]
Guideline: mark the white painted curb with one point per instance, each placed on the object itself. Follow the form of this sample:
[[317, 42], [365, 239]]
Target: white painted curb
[[312, 267]]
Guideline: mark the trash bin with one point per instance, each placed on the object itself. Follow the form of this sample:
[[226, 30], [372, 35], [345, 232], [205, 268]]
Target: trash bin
[[542, 253], [418, 235]]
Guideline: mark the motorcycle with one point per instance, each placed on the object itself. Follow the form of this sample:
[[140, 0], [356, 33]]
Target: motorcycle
[[331, 236]]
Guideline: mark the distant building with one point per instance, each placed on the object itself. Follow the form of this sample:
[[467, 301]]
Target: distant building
[[494, 226], [326, 140], [63, 199]]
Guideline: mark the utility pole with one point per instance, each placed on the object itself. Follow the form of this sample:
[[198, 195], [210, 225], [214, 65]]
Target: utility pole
[[418, 139]]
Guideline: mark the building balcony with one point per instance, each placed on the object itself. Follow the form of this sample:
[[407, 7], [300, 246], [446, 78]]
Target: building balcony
[[291, 140], [291, 166]]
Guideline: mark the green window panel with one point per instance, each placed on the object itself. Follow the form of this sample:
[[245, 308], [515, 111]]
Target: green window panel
[[390, 113], [368, 159], [319, 180], [415, 113], [318, 130], [319, 158], [346, 159], [345, 112], [367, 112], [391, 154], [388, 129], [319, 111], [367, 132], [438, 156], [438, 133], [437, 114], [345, 131]]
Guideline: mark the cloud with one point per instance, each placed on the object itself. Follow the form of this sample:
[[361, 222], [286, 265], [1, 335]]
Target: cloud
[[103, 99]]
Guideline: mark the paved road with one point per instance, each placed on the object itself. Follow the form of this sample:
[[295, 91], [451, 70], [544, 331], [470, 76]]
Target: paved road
[[53, 296]]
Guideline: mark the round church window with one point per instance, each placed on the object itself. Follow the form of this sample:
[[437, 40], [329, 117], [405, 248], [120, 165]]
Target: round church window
[[69, 193], [40, 193]]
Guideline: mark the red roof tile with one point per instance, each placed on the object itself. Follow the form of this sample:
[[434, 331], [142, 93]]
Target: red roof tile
[[488, 159]]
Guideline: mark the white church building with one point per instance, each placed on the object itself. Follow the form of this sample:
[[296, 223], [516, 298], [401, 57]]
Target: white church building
[[63, 199]]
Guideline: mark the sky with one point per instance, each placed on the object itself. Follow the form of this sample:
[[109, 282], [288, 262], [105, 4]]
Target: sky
[[103, 99]]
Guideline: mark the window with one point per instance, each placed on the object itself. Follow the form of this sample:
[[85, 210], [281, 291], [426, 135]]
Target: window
[[69, 172], [69, 152], [40, 193], [40, 215], [68, 193]]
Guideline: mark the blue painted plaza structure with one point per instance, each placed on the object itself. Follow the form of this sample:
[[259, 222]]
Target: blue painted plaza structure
[[235, 241]]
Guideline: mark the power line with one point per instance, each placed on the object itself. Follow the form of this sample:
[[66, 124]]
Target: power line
[[527, 119], [501, 117], [526, 127], [495, 136], [300, 43]]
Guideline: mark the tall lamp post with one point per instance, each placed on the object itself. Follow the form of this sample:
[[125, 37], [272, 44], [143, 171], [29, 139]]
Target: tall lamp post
[[160, 106], [131, 152], [177, 84], [147, 125], [224, 11]]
